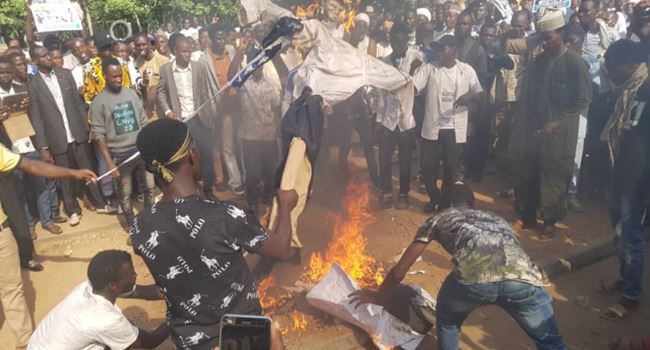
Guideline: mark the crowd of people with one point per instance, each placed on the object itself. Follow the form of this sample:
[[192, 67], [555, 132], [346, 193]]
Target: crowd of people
[[552, 101]]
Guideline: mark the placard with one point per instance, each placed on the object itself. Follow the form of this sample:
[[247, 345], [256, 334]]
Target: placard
[[553, 4], [17, 125], [56, 15]]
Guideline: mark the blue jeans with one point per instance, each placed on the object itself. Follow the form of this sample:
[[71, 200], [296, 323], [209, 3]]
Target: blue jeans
[[529, 305], [627, 215], [44, 193], [134, 168]]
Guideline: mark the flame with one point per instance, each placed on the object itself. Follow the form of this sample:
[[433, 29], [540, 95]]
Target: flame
[[346, 17], [268, 301], [306, 11], [347, 248], [348, 244], [298, 321]]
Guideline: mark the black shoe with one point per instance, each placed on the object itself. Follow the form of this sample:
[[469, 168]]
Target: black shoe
[[209, 196], [33, 265], [239, 190], [429, 207], [529, 224], [402, 202]]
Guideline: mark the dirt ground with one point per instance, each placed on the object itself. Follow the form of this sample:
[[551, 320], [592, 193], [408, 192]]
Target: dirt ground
[[387, 234]]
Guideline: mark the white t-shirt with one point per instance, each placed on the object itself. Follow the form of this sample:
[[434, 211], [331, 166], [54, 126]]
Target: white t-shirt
[[84, 321], [191, 32], [448, 95], [443, 87]]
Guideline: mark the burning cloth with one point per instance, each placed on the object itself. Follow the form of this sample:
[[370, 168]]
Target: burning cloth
[[386, 330], [333, 69]]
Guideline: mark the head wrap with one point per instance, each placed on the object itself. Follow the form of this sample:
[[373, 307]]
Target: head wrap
[[161, 169], [162, 143], [422, 11], [362, 17]]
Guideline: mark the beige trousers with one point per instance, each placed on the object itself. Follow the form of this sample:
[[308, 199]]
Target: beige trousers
[[11, 290], [295, 176]]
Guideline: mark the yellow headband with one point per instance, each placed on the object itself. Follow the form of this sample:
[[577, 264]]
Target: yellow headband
[[161, 168]]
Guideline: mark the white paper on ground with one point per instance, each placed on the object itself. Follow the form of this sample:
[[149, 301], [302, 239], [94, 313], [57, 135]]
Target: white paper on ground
[[331, 296]]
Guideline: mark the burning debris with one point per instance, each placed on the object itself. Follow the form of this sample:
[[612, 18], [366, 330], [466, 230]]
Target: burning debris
[[347, 249], [346, 16]]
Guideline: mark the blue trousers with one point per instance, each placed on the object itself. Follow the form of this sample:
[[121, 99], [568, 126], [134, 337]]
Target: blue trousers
[[627, 215], [43, 191], [529, 305]]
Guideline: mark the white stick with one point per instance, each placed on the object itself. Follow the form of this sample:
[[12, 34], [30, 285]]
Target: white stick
[[134, 156]]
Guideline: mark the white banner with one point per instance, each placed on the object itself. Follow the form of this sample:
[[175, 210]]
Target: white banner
[[550, 4], [56, 15]]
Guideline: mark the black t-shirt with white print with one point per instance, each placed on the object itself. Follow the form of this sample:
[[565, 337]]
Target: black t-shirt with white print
[[193, 248]]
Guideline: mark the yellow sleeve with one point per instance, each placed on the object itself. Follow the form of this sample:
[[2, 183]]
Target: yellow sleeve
[[8, 159]]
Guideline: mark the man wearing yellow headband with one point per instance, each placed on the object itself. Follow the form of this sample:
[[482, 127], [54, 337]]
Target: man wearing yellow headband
[[193, 246]]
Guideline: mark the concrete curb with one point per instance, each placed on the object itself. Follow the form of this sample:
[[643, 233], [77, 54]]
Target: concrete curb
[[600, 249]]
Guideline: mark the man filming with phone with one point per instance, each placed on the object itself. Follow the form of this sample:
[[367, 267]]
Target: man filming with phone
[[193, 246]]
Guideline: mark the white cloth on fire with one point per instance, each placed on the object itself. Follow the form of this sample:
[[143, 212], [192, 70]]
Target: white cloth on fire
[[331, 295], [334, 69]]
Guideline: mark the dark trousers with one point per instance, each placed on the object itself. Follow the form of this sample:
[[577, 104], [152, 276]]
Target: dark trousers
[[627, 214], [450, 152], [78, 156], [478, 144], [542, 183], [12, 204], [134, 169], [203, 135], [260, 161], [388, 139], [363, 127]]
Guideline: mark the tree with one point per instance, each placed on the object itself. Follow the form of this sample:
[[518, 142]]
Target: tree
[[143, 14], [151, 14], [12, 18]]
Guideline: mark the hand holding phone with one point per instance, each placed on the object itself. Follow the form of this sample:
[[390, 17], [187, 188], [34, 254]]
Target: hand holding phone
[[245, 332]]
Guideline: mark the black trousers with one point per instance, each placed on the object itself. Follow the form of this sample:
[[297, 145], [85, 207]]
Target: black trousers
[[79, 156], [203, 135], [12, 204], [478, 144], [260, 161], [388, 139], [450, 152], [364, 128]]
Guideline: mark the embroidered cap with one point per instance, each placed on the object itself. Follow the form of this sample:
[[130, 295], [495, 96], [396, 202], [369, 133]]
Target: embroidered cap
[[551, 20]]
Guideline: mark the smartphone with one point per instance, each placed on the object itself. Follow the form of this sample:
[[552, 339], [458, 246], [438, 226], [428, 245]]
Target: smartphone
[[245, 332], [14, 102]]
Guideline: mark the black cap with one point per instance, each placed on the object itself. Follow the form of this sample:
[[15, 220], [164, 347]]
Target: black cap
[[103, 39]]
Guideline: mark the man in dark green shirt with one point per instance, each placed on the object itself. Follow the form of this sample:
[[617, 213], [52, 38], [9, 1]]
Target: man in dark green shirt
[[558, 90]]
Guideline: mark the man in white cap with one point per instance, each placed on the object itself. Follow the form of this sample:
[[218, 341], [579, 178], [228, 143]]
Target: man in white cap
[[544, 139], [359, 35], [424, 15]]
